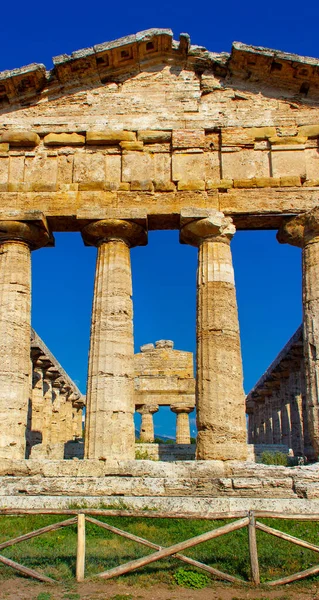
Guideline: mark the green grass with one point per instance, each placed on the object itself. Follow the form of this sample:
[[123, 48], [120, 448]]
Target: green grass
[[54, 553]]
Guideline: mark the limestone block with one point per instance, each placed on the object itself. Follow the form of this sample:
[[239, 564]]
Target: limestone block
[[4, 147], [245, 183], [150, 136], [89, 167], [290, 181], [288, 162], [191, 184], [41, 169], [311, 183], [267, 181], [132, 146], [187, 138], [212, 140], [309, 131], [161, 185], [245, 164], [145, 185], [157, 148], [109, 137], [312, 163], [65, 168], [138, 165], [4, 169], [113, 167], [221, 184], [164, 344], [147, 348], [16, 169], [64, 139], [199, 166], [20, 138]]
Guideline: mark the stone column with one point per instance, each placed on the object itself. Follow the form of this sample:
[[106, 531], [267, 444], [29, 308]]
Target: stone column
[[262, 426], [276, 414], [220, 399], [17, 239], [64, 414], [296, 412], [37, 405], [77, 421], [183, 434], [303, 231], [147, 424], [56, 410], [269, 425], [251, 427], [109, 431], [285, 412]]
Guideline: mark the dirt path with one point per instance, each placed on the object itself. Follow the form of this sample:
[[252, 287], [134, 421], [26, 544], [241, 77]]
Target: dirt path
[[20, 589]]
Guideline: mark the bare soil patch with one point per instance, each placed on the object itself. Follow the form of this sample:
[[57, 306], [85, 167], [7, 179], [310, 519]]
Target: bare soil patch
[[20, 589]]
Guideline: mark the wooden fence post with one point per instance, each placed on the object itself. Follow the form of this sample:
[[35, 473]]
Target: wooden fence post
[[80, 553], [254, 565]]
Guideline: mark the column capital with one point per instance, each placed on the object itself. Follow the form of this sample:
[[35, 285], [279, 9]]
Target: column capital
[[34, 234], [216, 227], [147, 409], [182, 408], [300, 230], [105, 230]]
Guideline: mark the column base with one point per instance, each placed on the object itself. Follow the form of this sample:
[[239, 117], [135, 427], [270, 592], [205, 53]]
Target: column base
[[208, 449]]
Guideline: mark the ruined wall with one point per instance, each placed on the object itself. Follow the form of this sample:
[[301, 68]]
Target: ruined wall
[[174, 125]]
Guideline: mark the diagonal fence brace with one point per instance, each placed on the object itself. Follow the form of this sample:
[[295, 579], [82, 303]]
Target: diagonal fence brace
[[25, 570], [186, 559], [176, 548]]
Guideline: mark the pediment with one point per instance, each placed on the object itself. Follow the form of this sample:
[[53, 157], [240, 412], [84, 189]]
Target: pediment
[[271, 72]]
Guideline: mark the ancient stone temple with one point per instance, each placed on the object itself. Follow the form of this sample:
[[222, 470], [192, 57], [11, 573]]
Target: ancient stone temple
[[151, 133]]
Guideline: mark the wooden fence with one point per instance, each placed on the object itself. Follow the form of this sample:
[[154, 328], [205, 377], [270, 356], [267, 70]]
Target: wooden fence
[[243, 519]]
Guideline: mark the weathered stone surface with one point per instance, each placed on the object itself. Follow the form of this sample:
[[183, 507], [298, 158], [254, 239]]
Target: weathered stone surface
[[303, 231], [18, 137], [110, 401], [220, 424], [16, 241], [64, 139], [154, 136], [109, 137]]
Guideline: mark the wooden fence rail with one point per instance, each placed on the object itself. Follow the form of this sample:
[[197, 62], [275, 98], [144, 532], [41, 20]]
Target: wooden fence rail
[[243, 519]]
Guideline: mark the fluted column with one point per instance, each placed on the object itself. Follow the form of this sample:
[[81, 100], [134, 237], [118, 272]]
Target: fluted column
[[109, 431], [251, 427], [77, 421], [296, 412], [276, 414], [183, 434], [147, 423], [303, 231], [17, 239], [220, 399], [56, 411], [48, 398], [37, 405], [262, 426]]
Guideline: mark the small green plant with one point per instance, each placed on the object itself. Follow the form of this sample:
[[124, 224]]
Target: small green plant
[[44, 596], [274, 458], [191, 579], [142, 455], [71, 596], [122, 597]]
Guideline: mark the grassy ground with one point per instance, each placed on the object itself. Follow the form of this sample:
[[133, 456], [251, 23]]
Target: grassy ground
[[54, 553]]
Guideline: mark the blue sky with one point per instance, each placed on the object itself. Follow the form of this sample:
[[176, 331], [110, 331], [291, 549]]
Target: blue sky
[[268, 275]]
